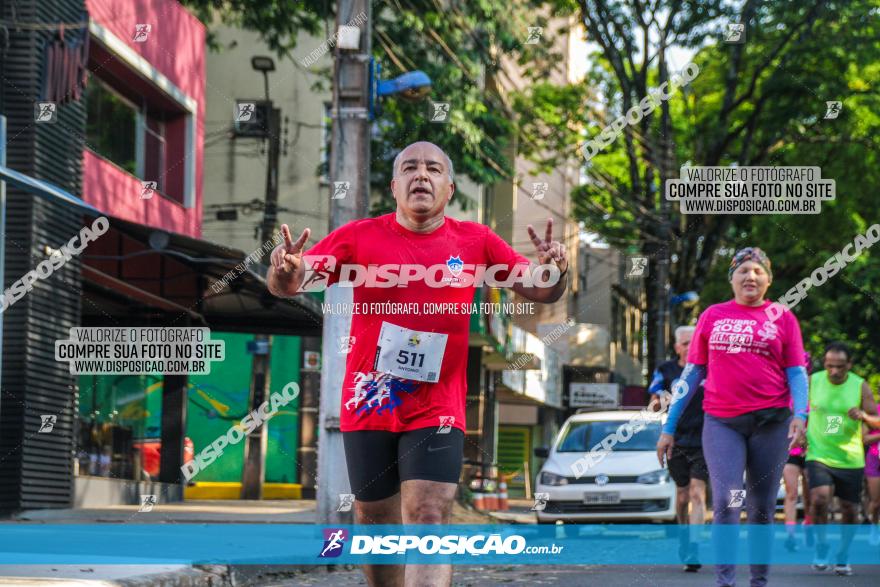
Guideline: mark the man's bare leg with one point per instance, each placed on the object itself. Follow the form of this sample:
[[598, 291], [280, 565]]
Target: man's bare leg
[[681, 504], [820, 501], [807, 496], [697, 498], [427, 502], [849, 516], [383, 511]]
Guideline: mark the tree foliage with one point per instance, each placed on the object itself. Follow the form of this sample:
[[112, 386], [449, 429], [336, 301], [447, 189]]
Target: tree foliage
[[459, 45], [757, 103], [277, 21]]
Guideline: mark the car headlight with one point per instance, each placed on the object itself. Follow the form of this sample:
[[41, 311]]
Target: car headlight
[[548, 478], [654, 477]]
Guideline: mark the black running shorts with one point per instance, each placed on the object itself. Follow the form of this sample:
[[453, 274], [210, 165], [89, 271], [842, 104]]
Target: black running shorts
[[687, 463], [379, 461], [799, 461], [847, 483]]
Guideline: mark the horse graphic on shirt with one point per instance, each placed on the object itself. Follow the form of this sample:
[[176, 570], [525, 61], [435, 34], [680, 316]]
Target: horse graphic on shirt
[[371, 390]]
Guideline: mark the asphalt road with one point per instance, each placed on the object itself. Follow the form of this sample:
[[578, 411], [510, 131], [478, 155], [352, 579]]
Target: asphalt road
[[607, 576]]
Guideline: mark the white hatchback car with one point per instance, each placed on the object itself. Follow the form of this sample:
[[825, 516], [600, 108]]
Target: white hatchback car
[[626, 484]]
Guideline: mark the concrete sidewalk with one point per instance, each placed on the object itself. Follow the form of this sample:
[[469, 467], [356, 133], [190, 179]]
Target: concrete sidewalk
[[520, 512], [169, 575], [162, 575], [218, 512]]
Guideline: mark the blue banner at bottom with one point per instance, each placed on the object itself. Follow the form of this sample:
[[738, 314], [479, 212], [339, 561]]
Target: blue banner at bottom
[[569, 544]]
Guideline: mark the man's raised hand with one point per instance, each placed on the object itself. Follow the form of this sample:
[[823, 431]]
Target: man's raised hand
[[287, 257], [549, 249]]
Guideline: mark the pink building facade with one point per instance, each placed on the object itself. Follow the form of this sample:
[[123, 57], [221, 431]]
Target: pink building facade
[[147, 67]]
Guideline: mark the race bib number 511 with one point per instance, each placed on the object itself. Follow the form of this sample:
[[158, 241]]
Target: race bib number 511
[[410, 354]]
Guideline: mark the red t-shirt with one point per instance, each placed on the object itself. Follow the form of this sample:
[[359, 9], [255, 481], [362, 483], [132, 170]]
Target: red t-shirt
[[372, 400], [747, 355]]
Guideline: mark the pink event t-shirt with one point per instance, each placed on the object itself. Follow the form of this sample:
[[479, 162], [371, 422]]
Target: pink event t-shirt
[[746, 356], [373, 400]]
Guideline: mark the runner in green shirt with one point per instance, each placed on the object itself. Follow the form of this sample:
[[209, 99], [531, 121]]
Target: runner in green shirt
[[840, 401]]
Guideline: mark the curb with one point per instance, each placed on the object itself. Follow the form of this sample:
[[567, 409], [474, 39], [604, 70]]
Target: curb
[[198, 576], [191, 577]]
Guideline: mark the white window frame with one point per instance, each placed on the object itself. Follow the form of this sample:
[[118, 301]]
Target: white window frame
[[146, 70]]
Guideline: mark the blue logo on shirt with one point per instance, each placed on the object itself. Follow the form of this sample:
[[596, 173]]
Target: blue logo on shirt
[[455, 265]]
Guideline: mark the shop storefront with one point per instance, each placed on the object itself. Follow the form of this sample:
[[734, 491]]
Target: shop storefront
[[118, 134]]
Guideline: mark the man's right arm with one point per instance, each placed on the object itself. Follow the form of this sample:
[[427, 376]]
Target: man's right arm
[[657, 391], [657, 385]]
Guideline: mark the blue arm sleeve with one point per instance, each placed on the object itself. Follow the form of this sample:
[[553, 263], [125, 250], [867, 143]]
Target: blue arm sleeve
[[683, 389], [797, 383], [656, 383]]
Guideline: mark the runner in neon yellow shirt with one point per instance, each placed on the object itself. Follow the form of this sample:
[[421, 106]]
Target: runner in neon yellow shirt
[[839, 402]]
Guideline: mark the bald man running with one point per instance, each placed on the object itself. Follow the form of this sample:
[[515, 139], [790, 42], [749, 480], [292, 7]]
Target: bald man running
[[403, 399]]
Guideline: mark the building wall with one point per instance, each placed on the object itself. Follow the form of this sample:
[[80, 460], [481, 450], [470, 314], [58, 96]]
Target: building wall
[[602, 268], [175, 48], [516, 203], [607, 302], [236, 168], [36, 469]]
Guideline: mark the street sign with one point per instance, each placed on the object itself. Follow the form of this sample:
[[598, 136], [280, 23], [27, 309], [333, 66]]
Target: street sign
[[311, 361], [258, 347], [594, 395]]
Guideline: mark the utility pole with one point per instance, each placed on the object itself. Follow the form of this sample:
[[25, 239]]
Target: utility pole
[[666, 153], [253, 472], [349, 162]]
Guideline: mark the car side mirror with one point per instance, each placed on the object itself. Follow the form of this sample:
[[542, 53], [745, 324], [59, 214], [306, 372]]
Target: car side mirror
[[542, 452]]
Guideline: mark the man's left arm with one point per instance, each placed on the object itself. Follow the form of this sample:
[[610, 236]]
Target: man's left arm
[[549, 251], [544, 295], [868, 411]]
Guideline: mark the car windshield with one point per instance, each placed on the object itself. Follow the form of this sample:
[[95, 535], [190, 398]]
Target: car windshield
[[582, 436]]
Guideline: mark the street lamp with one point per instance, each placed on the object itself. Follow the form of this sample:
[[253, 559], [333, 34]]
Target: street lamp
[[412, 86], [253, 469], [686, 299], [265, 65]]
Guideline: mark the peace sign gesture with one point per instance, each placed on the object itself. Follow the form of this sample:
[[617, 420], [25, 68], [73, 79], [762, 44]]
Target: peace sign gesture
[[287, 257], [549, 249]]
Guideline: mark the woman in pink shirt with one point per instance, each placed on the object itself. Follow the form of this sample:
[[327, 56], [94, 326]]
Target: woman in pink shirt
[[751, 355]]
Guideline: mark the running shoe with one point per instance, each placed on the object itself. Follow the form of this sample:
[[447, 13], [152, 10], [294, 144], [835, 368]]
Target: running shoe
[[692, 562], [820, 561], [843, 570]]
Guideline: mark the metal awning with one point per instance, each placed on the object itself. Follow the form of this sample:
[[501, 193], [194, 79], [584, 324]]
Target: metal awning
[[245, 305], [505, 395], [242, 305], [495, 361]]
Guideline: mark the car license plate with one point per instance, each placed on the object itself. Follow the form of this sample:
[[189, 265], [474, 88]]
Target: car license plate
[[604, 497]]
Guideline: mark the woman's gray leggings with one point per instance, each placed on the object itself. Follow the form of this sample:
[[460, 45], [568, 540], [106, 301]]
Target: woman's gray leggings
[[731, 446]]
